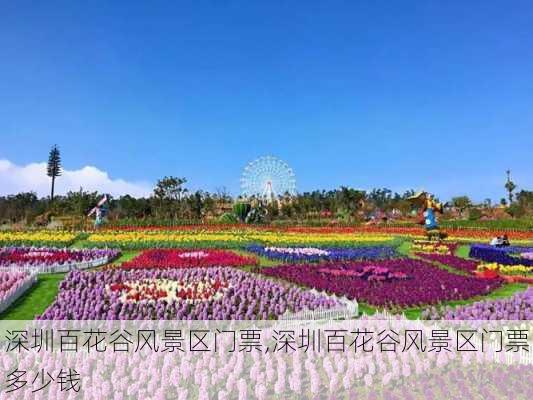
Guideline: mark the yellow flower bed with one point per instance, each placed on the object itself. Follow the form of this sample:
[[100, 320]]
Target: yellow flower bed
[[36, 238], [428, 248], [506, 269], [141, 239]]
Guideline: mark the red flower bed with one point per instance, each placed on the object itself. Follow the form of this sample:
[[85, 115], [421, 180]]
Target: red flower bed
[[190, 258], [487, 274], [517, 279]]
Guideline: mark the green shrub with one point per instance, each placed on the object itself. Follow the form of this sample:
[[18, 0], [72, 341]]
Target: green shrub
[[228, 218], [241, 210], [474, 214], [516, 210]]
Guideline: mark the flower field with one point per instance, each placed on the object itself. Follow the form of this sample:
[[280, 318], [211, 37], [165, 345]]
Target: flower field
[[311, 254], [511, 255], [517, 307], [439, 248], [507, 269], [396, 283], [36, 238], [207, 293], [164, 273], [228, 239], [451, 261], [173, 258], [44, 258], [232, 236]]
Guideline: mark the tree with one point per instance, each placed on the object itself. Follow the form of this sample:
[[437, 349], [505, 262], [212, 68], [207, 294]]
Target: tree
[[54, 168], [510, 186], [523, 205], [169, 191], [462, 203], [525, 198], [170, 188]]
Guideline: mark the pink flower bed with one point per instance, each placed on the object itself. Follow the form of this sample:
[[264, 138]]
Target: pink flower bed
[[10, 282]]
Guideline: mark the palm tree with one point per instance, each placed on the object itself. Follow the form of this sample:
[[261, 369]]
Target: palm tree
[[54, 168]]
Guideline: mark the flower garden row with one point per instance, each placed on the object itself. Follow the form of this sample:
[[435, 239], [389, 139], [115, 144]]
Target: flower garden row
[[413, 230], [231, 237], [192, 239], [510, 255], [313, 254], [45, 259]]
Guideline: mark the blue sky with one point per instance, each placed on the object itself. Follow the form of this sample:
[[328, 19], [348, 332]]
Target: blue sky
[[433, 95]]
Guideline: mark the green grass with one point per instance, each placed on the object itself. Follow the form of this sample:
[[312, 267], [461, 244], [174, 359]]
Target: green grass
[[405, 248], [366, 309], [43, 293], [126, 255], [36, 299], [463, 251], [263, 261], [524, 224]]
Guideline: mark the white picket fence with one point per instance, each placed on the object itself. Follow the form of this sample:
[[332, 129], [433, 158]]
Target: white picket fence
[[348, 309], [5, 303], [501, 356], [53, 268]]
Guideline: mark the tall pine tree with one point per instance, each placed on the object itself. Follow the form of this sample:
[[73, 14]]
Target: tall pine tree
[[53, 169], [510, 186]]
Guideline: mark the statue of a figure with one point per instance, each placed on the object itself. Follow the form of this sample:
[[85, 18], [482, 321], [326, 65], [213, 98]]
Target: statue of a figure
[[99, 211], [429, 207]]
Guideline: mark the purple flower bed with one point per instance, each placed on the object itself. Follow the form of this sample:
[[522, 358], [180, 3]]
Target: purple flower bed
[[306, 254], [409, 282], [451, 261], [517, 307], [204, 293], [500, 255]]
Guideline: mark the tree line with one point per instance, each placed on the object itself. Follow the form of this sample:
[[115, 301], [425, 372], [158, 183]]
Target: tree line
[[171, 202]]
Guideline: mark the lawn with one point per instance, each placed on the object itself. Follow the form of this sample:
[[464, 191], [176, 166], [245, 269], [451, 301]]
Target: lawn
[[36, 300], [126, 255], [463, 251]]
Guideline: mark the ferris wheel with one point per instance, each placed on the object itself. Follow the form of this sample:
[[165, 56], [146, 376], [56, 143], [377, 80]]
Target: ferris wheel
[[268, 177]]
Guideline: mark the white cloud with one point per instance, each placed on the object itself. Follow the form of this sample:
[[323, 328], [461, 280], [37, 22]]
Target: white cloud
[[32, 177]]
